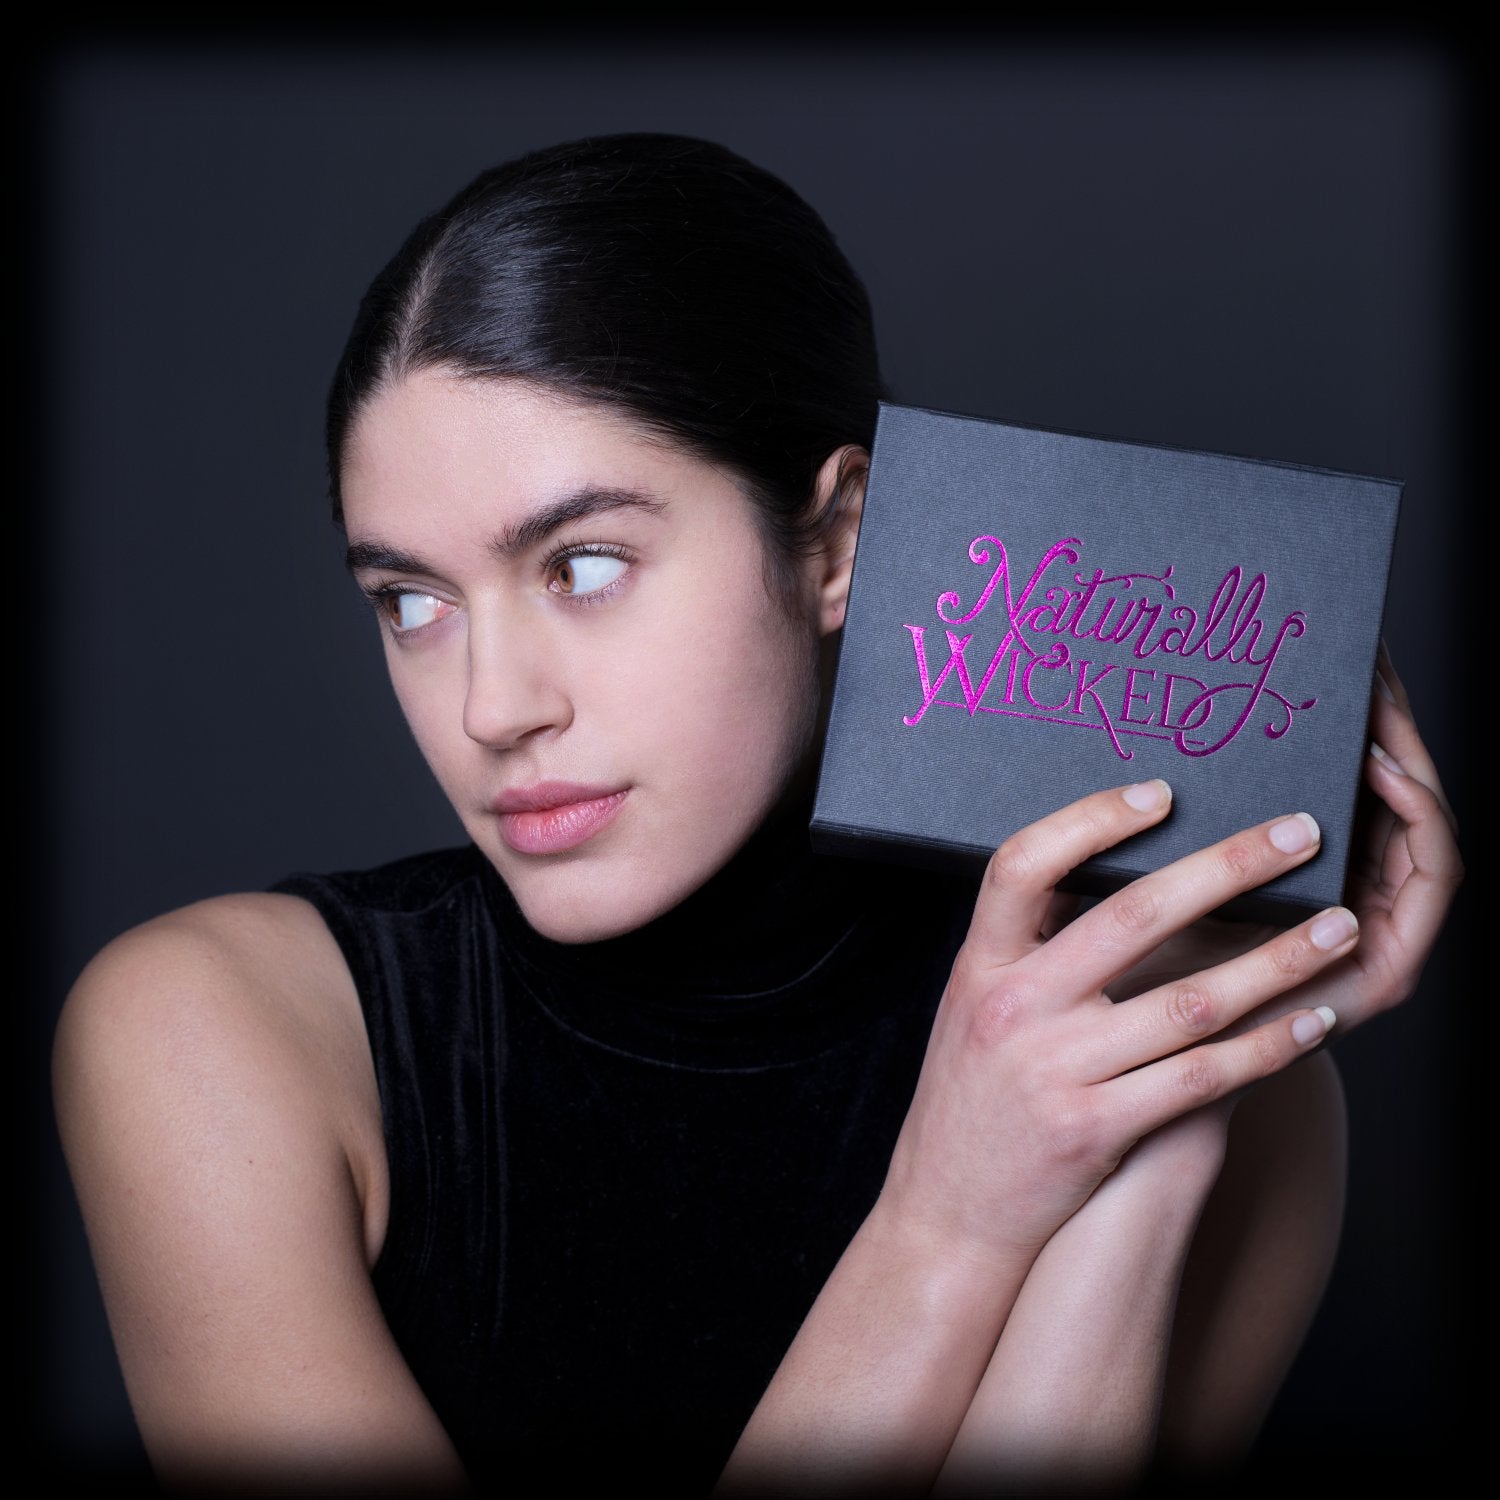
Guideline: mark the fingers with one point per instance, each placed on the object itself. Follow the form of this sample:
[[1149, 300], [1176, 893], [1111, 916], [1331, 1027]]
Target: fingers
[[1122, 929], [1377, 845], [1425, 871], [1394, 730], [1014, 904], [1183, 1014], [1387, 682], [1151, 1096], [1420, 869]]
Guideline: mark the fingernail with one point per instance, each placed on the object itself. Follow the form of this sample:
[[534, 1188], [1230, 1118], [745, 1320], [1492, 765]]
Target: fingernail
[[1147, 796], [1314, 1026], [1386, 758], [1294, 834], [1333, 928], [1384, 686]]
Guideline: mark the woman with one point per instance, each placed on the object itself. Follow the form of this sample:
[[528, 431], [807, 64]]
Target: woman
[[631, 1139]]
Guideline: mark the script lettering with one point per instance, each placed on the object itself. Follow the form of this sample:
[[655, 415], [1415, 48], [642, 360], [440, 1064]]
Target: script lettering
[[1126, 618]]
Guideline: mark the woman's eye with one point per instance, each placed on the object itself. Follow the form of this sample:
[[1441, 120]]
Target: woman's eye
[[412, 611], [586, 572]]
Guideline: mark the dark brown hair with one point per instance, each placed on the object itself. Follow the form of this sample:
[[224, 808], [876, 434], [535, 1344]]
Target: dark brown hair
[[658, 274]]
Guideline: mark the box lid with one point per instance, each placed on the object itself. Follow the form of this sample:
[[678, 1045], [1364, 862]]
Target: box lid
[[1036, 614]]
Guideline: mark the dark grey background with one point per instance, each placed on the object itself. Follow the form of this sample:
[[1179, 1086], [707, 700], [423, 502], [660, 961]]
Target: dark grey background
[[1251, 244]]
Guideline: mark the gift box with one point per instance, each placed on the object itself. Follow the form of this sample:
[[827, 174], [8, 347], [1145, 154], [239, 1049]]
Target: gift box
[[1038, 614]]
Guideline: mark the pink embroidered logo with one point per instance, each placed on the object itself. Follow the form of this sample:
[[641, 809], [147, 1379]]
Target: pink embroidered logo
[[1123, 614]]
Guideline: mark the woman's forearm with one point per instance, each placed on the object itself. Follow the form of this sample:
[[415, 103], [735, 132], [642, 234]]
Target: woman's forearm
[[881, 1372], [1072, 1394], [917, 1366], [1035, 1091], [1158, 1323]]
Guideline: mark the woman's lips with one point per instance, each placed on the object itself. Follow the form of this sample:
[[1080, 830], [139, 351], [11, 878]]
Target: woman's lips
[[555, 816]]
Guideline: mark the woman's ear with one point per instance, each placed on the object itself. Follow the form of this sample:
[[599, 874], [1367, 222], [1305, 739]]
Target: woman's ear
[[839, 498]]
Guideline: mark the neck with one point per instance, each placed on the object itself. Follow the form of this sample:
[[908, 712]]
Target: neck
[[763, 919]]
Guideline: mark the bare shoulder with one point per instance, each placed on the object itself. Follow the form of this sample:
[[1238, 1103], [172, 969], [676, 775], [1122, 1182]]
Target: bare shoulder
[[253, 953], [217, 1106], [233, 1016]]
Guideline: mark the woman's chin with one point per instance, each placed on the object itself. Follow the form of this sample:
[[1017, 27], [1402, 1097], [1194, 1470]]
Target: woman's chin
[[591, 926], [590, 910]]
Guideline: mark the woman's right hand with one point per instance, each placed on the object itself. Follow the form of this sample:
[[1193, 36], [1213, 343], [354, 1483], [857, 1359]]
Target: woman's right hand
[[1035, 1084]]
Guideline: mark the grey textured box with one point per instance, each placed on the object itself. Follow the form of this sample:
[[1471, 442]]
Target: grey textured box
[[1038, 614]]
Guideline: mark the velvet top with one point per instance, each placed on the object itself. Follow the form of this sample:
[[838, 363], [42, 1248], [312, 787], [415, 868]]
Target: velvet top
[[622, 1171]]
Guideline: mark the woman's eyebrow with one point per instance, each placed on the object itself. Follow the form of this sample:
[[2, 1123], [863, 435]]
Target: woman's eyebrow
[[541, 523], [373, 555], [520, 537]]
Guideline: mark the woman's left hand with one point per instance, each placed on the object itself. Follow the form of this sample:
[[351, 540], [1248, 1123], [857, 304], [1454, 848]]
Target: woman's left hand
[[1404, 872]]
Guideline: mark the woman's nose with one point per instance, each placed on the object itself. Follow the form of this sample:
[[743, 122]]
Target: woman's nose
[[515, 691]]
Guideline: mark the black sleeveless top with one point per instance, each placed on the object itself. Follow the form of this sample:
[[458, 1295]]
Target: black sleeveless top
[[622, 1171]]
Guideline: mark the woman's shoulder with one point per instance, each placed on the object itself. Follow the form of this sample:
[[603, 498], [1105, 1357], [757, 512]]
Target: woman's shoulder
[[268, 960], [252, 959], [223, 1030], [218, 1109]]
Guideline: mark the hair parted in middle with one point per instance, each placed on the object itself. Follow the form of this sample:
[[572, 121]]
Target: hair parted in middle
[[661, 275]]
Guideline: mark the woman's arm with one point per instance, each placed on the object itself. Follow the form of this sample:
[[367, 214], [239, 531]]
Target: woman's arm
[[1257, 1269], [1109, 1330], [1034, 1087], [1159, 1322], [1071, 1398], [217, 1107], [871, 1393]]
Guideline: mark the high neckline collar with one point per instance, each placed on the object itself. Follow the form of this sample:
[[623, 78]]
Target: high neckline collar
[[752, 927], [744, 972]]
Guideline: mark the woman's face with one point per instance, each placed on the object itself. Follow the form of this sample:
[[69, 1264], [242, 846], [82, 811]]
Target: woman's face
[[578, 629]]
